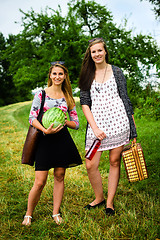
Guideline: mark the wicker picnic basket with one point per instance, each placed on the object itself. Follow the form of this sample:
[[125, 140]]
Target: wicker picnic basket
[[134, 162]]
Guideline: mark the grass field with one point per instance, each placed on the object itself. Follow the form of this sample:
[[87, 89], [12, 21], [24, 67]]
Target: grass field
[[137, 204]]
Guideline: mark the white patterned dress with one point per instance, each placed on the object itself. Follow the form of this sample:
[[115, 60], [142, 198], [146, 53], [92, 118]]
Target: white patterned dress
[[109, 114]]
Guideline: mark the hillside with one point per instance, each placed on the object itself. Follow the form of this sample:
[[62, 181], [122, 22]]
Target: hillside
[[137, 204]]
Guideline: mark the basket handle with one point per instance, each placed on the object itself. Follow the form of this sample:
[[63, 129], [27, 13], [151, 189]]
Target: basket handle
[[134, 144]]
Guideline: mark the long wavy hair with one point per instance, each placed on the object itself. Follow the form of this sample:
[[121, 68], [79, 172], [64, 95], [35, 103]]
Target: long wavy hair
[[88, 68], [66, 85]]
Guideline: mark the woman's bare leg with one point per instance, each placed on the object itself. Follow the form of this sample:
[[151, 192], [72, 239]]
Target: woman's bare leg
[[95, 177], [59, 174], [114, 174], [35, 193]]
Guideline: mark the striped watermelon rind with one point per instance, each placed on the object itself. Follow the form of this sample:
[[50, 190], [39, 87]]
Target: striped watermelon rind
[[53, 115]]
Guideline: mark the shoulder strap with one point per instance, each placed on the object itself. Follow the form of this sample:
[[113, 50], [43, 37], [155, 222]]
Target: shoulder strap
[[42, 104]]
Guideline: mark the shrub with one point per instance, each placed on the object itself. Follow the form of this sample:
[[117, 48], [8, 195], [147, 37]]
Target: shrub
[[149, 107]]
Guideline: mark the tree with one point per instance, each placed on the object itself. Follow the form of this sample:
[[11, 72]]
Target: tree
[[133, 54], [8, 92], [48, 36], [91, 15], [44, 39]]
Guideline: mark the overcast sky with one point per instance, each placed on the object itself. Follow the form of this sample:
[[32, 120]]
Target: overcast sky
[[139, 14]]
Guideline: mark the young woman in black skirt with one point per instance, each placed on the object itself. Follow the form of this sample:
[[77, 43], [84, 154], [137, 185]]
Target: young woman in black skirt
[[56, 148]]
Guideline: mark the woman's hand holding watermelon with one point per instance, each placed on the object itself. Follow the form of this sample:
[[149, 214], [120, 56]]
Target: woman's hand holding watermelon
[[52, 130], [53, 120]]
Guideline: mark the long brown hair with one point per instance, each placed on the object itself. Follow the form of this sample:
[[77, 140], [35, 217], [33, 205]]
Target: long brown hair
[[88, 68], [66, 85]]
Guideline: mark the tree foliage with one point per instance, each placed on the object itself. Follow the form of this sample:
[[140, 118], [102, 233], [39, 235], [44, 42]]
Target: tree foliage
[[8, 93], [48, 36]]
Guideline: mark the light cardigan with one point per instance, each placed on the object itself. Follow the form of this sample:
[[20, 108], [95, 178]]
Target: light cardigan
[[85, 98]]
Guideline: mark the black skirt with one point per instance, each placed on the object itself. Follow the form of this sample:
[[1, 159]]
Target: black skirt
[[57, 150]]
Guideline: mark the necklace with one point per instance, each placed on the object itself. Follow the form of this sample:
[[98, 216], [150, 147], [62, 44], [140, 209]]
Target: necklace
[[97, 88]]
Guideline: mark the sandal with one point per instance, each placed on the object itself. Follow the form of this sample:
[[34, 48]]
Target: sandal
[[58, 221], [28, 223]]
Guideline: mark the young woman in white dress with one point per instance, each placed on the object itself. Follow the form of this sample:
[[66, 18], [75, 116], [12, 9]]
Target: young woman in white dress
[[109, 113]]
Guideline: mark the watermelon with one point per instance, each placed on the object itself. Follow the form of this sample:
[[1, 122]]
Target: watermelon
[[53, 115]]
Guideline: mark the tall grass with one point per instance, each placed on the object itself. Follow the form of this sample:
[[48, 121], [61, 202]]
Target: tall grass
[[136, 204]]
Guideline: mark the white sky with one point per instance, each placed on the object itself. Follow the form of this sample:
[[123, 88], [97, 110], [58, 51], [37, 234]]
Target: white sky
[[139, 14]]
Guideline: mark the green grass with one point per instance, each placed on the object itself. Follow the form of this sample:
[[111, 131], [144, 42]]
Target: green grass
[[137, 204]]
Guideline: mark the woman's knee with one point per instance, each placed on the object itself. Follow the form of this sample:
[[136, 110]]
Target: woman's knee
[[59, 175], [39, 184], [115, 162], [40, 179], [90, 166], [115, 156]]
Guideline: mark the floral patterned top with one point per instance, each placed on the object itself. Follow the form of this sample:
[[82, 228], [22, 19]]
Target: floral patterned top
[[50, 103]]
